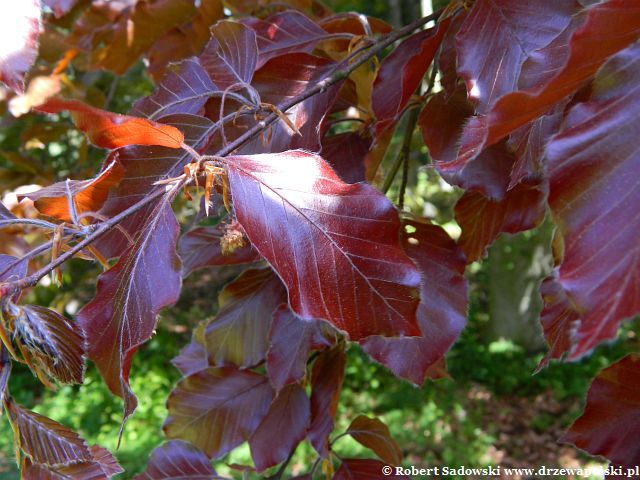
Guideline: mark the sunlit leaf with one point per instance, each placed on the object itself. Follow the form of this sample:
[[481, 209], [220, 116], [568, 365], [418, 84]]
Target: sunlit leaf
[[323, 236], [19, 47]]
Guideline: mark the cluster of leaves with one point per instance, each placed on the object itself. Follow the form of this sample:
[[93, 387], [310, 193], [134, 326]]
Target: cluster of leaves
[[535, 114]]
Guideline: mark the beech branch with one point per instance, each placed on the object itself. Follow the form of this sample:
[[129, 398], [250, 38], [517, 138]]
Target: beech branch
[[341, 72]]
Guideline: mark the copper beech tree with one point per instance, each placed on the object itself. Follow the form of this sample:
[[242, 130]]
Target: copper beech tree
[[530, 108]]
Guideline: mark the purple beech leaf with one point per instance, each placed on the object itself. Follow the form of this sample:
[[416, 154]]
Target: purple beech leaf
[[178, 460], [103, 466], [326, 382], [346, 153], [442, 309], [592, 166], [239, 333], [191, 359], [496, 38], [363, 469], [200, 248], [282, 429], [291, 339], [217, 409], [285, 32], [334, 245], [373, 434], [122, 315], [231, 56]]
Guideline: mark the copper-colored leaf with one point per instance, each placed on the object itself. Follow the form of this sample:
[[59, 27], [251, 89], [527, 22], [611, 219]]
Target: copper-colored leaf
[[442, 309], [610, 423], [401, 73], [238, 335], [592, 164], [178, 460], [291, 339], [122, 315], [200, 248], [287, 421], [373, 434], [496, 38], [88, 195], [19, 47], [325, 237], [44, 440], [326, 383], [112, 130], [559, 69], [217, 409]]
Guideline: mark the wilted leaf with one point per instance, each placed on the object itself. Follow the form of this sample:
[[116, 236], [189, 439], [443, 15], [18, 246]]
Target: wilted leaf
[[122, 315], [217, 409], [282, 429], [285, 32], [559, 69], [322, 237], [592, 164], [231, 56], [200, 248], [88, 195], [238, 335], [482, 219], [373, 434], [291, 339], [112, 130], [326, 383], [363, 469], [178, 460], [392, 91], [45, 441], [609, 425], [19, 47], [498, 36], [442, 309]]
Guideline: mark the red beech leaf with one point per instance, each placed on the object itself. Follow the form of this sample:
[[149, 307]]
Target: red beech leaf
[[19, 49], [178, 460], [285, 32], [287, 421], [564, 66], [46, 441], [559, 320], [441, 122], [496, 38], [122, 315], [482, 219], [326, 382], [364, 469], [290, 341], [239, 333], [401, 73], [53, 340], [184, 89], [609, 425], [442, 311], [591, 164], [281, 79], [200, 248], [88, 195], [346, 154], [323, 236], [231, 56], [191, 359], [373, 434], [117, 34], [112, 130], [355, 23], [144, 166], [60, 7], [103, 466], [217, 409]]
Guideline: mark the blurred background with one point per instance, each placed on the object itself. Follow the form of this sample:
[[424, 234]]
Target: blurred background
[[491, 410]]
